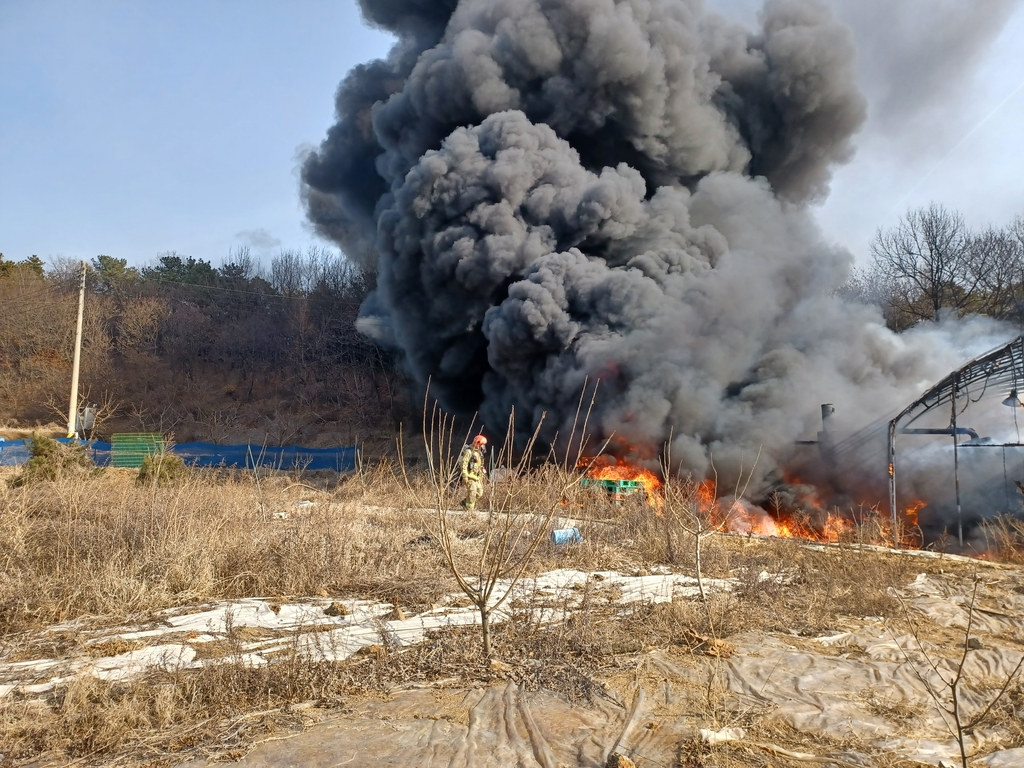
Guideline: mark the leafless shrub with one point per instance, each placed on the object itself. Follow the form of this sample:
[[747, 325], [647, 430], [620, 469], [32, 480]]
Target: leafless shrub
[[1004, 536], [510, 534], [695, 509], [945, 683], [142, 549], [103, 546]]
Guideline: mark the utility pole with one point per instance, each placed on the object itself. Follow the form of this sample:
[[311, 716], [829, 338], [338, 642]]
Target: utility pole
[[73, 408]]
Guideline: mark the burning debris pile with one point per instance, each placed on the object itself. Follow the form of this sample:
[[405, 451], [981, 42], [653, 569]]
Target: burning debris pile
[[621, 475], [560, 191], [791, 510]]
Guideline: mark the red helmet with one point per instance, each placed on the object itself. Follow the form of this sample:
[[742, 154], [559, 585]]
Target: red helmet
[[479, 441]]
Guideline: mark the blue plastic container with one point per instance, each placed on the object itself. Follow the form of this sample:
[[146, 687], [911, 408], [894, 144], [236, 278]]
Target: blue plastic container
[[566, 536]]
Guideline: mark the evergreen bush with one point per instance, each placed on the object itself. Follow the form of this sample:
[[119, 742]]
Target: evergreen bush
[[161, 468], [50, 460]]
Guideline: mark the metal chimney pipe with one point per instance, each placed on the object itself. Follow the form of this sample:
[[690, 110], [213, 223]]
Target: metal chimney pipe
[[826, 440], [827, 410]]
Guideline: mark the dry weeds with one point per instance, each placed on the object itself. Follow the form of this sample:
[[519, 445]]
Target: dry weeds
[[94, 550]]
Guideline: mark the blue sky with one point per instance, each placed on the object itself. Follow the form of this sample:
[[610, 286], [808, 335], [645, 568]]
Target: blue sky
[[132, 128], [963, 148]]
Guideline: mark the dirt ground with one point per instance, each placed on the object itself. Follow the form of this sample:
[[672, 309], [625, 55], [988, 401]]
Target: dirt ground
[[307, 620], [865, 694]]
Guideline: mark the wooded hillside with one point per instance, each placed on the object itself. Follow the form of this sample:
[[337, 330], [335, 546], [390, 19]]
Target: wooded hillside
[[241, 353], [222, 354]]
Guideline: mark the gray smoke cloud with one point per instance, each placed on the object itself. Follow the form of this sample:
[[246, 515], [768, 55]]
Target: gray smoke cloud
[[673, 91], [560, 191]]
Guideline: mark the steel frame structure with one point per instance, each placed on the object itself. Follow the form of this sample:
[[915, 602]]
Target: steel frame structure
[[1002, 367]]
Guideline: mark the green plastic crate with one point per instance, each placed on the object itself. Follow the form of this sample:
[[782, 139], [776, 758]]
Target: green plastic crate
[[129, 449], [614, 486], [617, 490]]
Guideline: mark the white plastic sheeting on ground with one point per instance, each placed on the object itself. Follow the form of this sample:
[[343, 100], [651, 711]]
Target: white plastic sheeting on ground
[[175, 639], [1007, 758], [500, 726], [870, 693], [503, 725], [869, 688]]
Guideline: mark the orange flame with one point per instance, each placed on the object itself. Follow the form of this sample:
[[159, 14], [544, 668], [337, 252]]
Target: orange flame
[[706, 493], [802, 515], [910, 513], [609, 468]]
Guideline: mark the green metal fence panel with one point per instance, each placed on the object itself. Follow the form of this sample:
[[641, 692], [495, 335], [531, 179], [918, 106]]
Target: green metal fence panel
[[129, 449]]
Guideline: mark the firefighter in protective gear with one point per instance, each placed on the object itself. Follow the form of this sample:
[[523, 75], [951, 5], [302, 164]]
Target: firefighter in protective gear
[[473, 470]]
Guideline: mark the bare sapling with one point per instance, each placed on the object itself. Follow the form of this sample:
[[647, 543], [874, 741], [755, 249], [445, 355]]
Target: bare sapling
[[101, 412], [256, 463], [944, 686], [497, 560], [694, 507]]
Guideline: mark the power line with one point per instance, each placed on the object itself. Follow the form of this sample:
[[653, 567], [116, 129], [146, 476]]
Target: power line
[[169, 281], [36, 305], [22, 298], [960, 143], [34, 309], [225, 290]]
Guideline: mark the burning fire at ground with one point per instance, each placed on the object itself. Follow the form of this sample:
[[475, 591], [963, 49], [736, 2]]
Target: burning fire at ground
[[607, 467], [792, 511]]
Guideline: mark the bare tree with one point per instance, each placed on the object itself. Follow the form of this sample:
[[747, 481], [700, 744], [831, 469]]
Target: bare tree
[[875, 287], [294, 273], [1016, 229], [997, 261], [103, 410], [64, 273], [695, 508], [162, 421], [241, 264], [927, 257], [138, 321], [946, 677], [287, 272], [512, 534]]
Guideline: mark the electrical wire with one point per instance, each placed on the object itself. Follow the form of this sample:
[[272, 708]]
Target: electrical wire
[[27, 311], [226, 290], [851, 450], [957, 146], [36, 305], [22, 298], [168, 281]]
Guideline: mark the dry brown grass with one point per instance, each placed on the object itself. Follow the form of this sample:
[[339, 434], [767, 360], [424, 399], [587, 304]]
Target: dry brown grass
[[1003, 539], [105, 546], [218, 710], [105, 549]]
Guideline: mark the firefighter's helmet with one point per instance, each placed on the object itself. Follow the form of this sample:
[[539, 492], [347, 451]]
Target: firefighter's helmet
[[480, 441]]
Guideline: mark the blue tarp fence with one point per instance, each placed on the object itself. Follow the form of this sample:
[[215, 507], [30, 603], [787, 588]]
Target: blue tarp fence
[[340, 459]]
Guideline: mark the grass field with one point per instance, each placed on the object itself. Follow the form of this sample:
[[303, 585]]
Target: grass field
[[92, 550]]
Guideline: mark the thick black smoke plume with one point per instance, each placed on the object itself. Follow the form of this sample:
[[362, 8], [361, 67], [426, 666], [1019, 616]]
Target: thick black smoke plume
[[552, 191]]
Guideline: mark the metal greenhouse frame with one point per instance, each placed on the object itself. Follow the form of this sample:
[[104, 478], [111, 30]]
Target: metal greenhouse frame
[[999, 369]]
